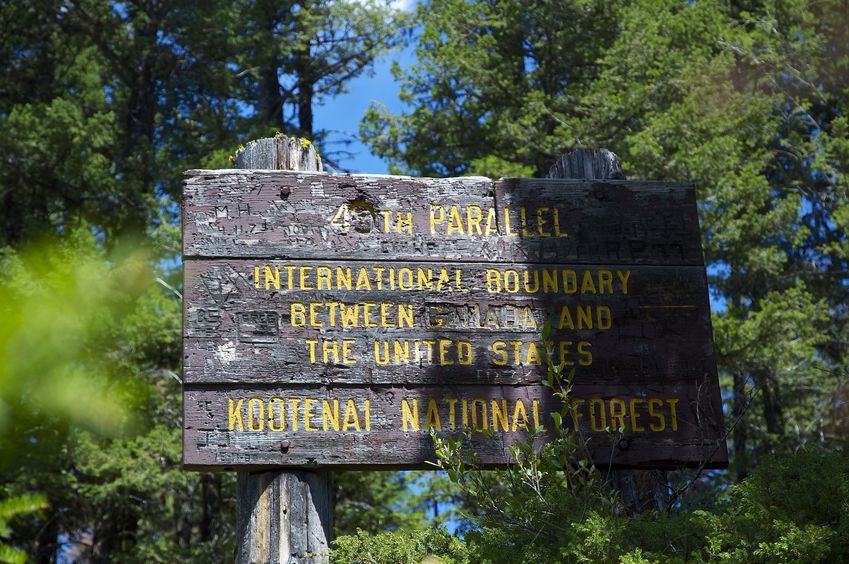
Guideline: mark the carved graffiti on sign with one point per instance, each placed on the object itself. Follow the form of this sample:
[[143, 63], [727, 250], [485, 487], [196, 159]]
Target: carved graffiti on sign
[[337, 320]]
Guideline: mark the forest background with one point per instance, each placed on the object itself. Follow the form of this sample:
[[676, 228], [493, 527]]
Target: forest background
[[103, 104]]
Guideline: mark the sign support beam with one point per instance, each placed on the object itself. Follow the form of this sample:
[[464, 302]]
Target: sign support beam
[[640, 489], [282, 516]]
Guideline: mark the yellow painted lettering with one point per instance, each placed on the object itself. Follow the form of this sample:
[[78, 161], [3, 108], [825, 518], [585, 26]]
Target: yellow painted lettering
[[474, 216], [605, 282], [290, 275], [500, 350], [309, 414], [272, 278], [635, 416], [363, 282], [585, 316], [401, 351], [235, 415], [507, 231], [410, 415], [378, 276], [598, 415], [437, 215], [386, 214], [535, 412], [350, 315], [314, 322], [586, 355], [298, 314], [511, 281], [432, 420], [617, 413], [570, 281], [405, 279], [587, 283], [330, 414], [623, 279], [293, 411], [367, 313], [541, 223], [493, 280], [660, 425], [557, 232], [405, 315], [532, 355], [565, 319], [549, 281], [604, 318], [443, 352], [565, 353], [491, 223], [378, 359], [424, 278], [479, 418], [455, 222], [312, 345], [464, 352], [323, 275], [499, 414], [405, 222], [351, 420], [276, 423], [367, 412], [520, 416], [452, 412], [305, 276], [343, 278], [531, 288], [523, 224], [673, 413], [330, 347], [256, 414]]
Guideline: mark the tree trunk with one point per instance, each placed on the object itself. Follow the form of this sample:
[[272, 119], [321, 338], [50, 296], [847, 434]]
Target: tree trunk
[[269, 102], [306, 89]]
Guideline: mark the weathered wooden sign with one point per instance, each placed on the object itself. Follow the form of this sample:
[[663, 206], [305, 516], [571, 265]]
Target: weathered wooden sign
[[335, 320]]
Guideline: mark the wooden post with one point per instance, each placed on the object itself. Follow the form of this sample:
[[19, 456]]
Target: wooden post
[[282, 516], [640, 489]]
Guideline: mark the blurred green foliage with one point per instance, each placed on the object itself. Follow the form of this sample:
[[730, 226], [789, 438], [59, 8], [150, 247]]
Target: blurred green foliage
[[64, 336]]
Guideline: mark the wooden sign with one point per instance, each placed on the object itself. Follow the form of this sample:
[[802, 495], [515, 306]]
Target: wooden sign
[[335, 320]]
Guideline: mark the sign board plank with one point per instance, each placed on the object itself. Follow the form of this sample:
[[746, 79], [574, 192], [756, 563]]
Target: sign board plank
[[239, 213], [332, 298], [613, 324], [388, 427]]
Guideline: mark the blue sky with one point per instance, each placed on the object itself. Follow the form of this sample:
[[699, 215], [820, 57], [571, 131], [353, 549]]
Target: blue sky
[[342, 114]]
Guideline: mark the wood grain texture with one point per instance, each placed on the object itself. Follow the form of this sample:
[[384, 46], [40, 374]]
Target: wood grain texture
[[297, 215], [283, 515]]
